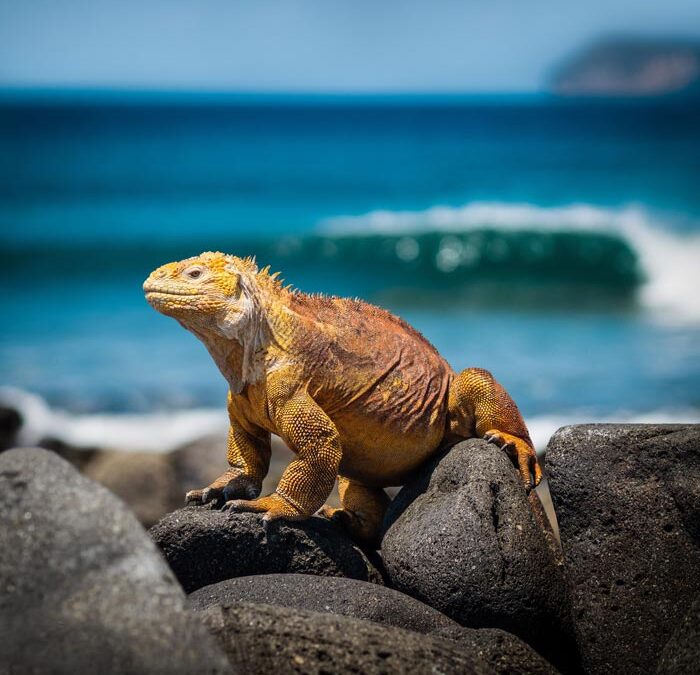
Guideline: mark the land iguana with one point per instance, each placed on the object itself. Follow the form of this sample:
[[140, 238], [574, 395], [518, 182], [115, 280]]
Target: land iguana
[[353, 390]]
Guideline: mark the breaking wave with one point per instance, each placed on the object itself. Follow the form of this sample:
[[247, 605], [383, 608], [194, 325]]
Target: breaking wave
[[485, 252], [626, 248], [154, 432]]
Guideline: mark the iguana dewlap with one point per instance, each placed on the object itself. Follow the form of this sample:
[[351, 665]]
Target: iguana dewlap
[[353, 390]]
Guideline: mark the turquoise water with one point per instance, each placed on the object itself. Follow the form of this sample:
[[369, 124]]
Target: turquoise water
[[556, 243]]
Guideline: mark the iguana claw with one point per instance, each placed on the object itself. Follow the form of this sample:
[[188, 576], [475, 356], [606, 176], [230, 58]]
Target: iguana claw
[[273, 506], [204, 496], [522, 454], [230, 485]]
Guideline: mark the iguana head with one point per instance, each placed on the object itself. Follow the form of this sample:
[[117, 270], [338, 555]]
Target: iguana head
[[212, 292]]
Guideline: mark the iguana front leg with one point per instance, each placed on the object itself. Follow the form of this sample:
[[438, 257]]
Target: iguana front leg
[[309, 478], [248, 454], [478, 405]]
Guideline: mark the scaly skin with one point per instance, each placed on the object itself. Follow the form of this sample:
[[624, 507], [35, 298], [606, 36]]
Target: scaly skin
[[354, 391]]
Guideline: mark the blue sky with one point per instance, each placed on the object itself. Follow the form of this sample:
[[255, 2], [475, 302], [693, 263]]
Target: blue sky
[[314, 46]]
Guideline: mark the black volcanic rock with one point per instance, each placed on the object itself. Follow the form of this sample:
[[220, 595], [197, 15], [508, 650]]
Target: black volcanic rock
[[504, 652], [681, 655], [335, 595], [82, 587], [464, 539], [204, 546], [628, 502], [265, 639]]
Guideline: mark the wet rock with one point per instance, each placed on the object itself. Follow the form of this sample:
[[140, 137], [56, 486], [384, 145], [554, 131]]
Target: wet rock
[[681, 655], [628, 505], [335, 595], [463, 538], [300, 641], [204, 546], [83, 587]]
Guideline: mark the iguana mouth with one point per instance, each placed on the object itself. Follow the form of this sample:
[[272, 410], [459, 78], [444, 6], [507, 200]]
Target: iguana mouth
[[160, 291]]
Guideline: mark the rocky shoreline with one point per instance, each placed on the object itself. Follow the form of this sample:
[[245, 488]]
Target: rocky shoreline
[[470, 577]]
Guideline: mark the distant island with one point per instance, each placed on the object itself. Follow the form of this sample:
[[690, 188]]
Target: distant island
[[631, 67]]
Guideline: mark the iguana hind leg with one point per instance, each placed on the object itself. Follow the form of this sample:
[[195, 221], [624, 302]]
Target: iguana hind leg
[[480, 406], [362, 511]]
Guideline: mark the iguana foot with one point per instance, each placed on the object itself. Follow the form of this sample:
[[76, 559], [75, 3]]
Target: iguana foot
[[365, 531], [522, 454], [231, 484], [273, 506]]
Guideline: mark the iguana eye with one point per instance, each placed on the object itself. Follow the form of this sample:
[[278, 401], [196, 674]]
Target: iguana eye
[[193, 273]]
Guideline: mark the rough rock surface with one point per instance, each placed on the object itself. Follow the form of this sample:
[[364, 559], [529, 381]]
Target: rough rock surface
[[463, 538], [504, 652], [146, 481], [271, 639], [334, 595], [204, 546], [83, 587], [628, 504], [681, 655], [151, 483]]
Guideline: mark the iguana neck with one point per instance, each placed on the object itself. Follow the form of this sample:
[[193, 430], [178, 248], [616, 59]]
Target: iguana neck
[[263, 341]]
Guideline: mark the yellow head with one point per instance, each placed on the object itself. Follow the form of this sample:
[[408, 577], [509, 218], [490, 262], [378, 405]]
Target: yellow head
[[210, 292]]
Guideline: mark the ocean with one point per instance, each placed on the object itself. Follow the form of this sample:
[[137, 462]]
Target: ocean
[[554, 242]]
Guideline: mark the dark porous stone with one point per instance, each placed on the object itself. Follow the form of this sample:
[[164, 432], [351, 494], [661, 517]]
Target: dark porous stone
[[334, 595], [83, 587], [681, 655], [204, 546], [505, 653], [272, 639], [463, 538], [628, 504]]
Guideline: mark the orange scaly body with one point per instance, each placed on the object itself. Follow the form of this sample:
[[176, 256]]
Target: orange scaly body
[[354, 391]]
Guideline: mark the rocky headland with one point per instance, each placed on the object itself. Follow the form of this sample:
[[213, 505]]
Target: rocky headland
[[631, 67]]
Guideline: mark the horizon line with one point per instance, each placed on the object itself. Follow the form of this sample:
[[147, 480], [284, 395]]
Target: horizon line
[[58, 94]]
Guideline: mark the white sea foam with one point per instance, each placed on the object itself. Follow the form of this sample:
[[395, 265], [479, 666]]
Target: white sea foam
[[164, 431], [669, 259], [155, 432], [543, 426]]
